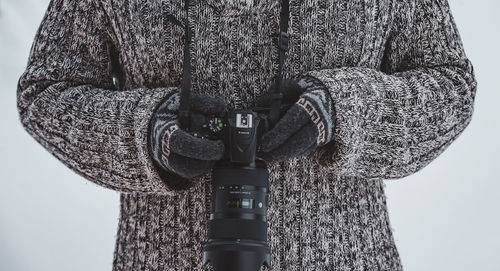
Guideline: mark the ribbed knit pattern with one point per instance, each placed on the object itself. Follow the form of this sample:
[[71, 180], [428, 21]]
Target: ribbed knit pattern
[[402, 88]]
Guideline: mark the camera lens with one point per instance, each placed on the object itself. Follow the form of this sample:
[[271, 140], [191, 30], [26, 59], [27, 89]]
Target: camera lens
[[238, 225]]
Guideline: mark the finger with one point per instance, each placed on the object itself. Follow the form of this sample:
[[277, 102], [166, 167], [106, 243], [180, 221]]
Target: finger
[[185, 144], [292, 90], [291, 93], [263, 100], [206, 104], [293, 120], [300, 143], [188, 167]]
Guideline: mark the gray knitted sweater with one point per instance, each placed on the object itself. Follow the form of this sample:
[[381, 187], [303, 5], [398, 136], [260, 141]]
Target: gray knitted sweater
[[401, 83]]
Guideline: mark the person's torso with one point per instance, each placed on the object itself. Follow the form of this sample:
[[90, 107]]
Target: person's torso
[[316, 220]]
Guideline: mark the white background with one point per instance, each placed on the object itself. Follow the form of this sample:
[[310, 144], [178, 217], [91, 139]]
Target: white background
[[445, 217]]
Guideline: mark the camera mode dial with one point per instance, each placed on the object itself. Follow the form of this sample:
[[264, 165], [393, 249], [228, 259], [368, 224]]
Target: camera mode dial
[[215, 125]]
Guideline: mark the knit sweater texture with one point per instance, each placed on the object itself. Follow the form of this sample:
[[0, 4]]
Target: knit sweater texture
[[402, 87]]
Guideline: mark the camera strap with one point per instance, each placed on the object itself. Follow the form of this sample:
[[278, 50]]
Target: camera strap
[[186, 75], [277, 94]]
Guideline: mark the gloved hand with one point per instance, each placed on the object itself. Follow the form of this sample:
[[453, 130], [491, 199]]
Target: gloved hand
[[308, 124], [177, 151]]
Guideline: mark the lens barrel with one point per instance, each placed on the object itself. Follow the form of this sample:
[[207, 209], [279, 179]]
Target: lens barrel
[[237, 233]]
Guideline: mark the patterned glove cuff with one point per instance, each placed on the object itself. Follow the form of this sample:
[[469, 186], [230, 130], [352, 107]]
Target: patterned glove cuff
[[317, 102], [162, 124]]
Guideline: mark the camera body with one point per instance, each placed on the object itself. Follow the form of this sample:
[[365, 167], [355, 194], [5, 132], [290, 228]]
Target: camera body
[[237, 234], [240, 130]]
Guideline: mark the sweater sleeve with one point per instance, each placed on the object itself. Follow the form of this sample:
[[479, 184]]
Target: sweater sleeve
[[66, 101], [392, 122]]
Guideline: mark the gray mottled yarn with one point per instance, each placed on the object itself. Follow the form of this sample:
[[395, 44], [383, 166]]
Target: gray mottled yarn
[[401, 83]]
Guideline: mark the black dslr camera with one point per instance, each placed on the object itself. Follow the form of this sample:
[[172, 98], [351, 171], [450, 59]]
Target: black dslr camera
[[237, 230]]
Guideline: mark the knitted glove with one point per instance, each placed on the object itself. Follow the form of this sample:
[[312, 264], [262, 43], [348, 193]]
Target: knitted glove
[[178, 152], [308, 124]]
